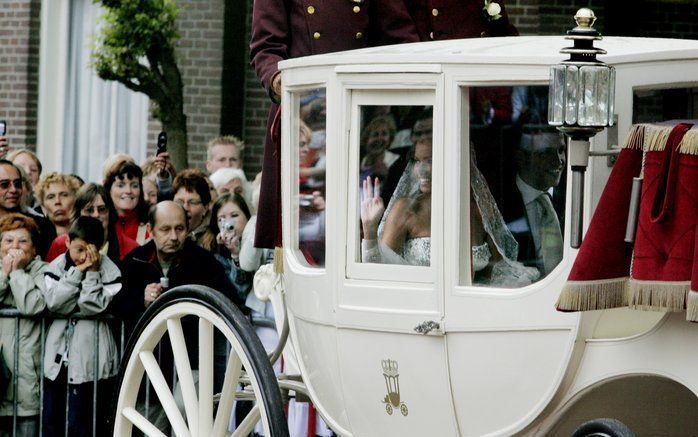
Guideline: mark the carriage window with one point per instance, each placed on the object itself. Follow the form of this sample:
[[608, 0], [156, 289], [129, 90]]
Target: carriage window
[[311, 176], [395, 184], [517, 180], [652, 105]]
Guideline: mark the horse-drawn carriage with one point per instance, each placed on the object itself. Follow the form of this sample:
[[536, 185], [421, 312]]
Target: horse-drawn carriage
[[469, 352]]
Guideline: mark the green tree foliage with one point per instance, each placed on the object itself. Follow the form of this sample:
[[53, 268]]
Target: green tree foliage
[[136, 47]]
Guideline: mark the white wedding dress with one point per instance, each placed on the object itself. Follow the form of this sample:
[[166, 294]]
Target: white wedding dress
[[505, 270]]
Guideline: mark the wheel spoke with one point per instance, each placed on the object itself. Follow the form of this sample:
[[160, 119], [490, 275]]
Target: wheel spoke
[[164, 394], [186, 378], [247, 425], [205, 377], [230, 384], [141, 422]]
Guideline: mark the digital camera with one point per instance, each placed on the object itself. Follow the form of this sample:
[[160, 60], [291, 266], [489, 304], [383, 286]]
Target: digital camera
[[227, 225]]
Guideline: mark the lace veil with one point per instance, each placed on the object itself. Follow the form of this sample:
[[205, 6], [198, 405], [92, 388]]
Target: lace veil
[[407, 187], [506, 272], [492, 219]]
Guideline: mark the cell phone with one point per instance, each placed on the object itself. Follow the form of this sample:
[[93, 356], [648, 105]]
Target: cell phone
[[162, 143], [3, 128]]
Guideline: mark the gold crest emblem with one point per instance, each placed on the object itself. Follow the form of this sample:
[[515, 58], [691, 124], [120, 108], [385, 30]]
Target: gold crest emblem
[[392, 384]]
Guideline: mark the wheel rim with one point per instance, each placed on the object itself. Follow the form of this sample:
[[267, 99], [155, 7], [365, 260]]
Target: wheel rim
[[198, 417]]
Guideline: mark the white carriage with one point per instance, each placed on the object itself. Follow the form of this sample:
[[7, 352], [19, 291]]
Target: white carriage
[[467, 358]]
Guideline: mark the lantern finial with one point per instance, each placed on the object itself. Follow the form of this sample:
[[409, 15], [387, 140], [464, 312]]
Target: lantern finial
[[585, 19]]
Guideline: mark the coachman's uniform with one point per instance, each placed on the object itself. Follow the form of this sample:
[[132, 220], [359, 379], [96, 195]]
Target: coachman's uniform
[[455, 19], [284, 29]]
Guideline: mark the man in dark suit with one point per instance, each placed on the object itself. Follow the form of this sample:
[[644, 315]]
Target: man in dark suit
[[454, 19], [284, 29], [533, 214]]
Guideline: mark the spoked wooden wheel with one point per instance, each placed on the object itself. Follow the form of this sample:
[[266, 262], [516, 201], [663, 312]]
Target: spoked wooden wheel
[[247, 362]]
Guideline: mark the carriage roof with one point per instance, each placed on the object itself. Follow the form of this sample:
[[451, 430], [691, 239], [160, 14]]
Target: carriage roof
[[525, 50]]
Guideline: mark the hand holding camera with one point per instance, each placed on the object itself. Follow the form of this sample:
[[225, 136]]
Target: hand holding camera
[[229, 236]]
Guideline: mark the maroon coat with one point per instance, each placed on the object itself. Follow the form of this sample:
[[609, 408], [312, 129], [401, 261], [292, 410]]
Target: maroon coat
[[284, 29], [455, 19]]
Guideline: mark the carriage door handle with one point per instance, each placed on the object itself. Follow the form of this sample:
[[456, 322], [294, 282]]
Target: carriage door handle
[[427, 326]]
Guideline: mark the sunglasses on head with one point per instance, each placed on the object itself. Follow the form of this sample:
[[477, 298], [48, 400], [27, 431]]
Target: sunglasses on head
[[5, 183]]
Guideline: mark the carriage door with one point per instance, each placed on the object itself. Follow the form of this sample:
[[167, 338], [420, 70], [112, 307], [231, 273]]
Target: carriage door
[[392, 284], [508, 347]]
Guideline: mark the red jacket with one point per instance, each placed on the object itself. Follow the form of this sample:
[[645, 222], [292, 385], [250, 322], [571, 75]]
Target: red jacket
[[128, 226], [455, 19], [285, 29]]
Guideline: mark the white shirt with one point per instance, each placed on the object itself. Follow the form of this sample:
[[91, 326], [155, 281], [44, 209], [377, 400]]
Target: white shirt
[[533, 209]]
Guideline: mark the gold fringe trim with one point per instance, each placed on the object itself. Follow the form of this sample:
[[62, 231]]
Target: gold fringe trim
[[689, 143], [649, 295], [593, 295], [652, 138], [278, 260], [636, 138], [656, 137], [692, 306]]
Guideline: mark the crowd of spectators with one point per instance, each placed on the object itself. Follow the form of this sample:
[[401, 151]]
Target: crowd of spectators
[[72, 248]]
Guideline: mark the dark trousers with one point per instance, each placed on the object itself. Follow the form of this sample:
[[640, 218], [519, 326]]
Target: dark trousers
[[80, 407]]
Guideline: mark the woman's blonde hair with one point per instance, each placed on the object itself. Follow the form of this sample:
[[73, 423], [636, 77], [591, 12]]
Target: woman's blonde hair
[[71, 182]]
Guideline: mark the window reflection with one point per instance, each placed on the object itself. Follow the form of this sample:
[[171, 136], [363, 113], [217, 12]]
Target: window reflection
[[517, 183], [395, 184], [311, 176]]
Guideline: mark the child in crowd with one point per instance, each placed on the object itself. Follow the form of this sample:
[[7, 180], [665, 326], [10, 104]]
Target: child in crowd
[[80, 280]]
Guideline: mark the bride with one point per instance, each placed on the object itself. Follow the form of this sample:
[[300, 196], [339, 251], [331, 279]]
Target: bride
[[401, 234], [406, 225]]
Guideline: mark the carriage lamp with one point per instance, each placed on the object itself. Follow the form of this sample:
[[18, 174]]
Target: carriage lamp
[[580, 104]]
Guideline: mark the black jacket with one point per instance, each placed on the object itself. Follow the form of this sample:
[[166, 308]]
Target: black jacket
[[141, 267], [47, 232]]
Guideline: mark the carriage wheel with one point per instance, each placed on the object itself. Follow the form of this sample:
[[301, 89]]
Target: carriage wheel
[[389, 409], [603, 428], [247, 358], [403, 409]]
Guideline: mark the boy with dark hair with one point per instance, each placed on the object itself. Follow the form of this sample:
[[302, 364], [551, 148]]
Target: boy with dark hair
[[79, 281]]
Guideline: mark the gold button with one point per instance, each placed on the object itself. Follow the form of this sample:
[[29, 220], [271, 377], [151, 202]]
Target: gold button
[[359, 35], [356, 9], [431, 35], [435, 12], [311, 10], [316, 35], [483, 33]]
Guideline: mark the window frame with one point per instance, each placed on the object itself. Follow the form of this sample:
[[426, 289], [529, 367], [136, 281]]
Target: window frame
[[463, 272], [295, 94], [357, 270]]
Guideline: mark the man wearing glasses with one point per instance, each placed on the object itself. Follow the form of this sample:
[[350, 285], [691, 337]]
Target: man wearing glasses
[[11, 191], [193, 194]]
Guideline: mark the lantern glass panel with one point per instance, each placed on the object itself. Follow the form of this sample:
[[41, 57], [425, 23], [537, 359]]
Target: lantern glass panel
[[556, 99], [571, 79], [594, 89], [612, 97]]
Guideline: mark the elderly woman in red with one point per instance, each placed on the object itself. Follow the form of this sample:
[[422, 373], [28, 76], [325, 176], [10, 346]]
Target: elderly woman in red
[[123, 181]]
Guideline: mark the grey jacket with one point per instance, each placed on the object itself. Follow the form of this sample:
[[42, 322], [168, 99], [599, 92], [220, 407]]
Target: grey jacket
[[72, 343], [24, 290]]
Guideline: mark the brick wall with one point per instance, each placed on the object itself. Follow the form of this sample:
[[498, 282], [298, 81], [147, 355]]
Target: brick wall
[[19, 66], [256, 111], [200, 59]]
